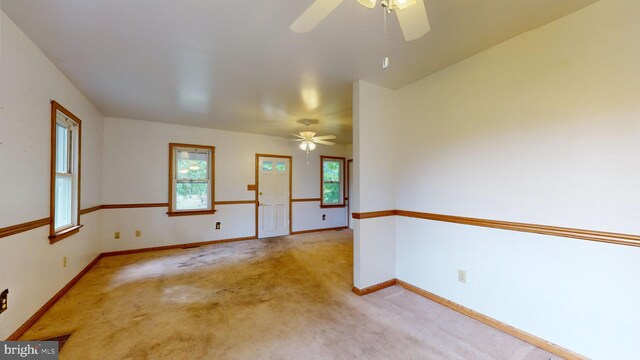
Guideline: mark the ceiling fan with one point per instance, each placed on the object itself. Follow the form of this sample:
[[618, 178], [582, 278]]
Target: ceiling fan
[[308, 139], [412, 15]]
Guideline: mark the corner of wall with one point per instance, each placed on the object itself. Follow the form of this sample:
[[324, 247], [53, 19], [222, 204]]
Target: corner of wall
[[374, 183]]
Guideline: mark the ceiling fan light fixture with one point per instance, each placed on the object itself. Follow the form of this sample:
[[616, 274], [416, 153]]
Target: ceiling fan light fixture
[[307, 135], [401, 4], [414, 22], [307, 145], [308, 139], [368, 3]]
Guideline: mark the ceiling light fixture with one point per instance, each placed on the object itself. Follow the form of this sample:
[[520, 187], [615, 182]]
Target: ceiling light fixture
[[390, 4], [411, 15], [368, 3], [307, 145], [399, 4], [308, 139]]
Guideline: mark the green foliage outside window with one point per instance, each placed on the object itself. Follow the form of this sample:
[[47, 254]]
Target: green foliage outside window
[[332, 177], [192, 185]]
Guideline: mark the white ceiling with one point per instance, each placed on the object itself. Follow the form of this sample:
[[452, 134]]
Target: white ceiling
[[235, 65]]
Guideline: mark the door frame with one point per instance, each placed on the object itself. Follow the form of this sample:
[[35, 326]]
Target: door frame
[[290, 187], [348, 192]]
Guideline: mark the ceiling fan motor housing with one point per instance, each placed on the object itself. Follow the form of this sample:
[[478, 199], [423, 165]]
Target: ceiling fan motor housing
[[392, 5], [308, 135]]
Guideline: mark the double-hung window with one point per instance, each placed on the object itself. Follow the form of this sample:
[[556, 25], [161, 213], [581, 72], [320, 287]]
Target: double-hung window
[[191, 174], [332, 181], [66, 131]]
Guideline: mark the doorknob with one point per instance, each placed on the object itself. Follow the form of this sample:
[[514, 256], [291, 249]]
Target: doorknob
[[259, 204]]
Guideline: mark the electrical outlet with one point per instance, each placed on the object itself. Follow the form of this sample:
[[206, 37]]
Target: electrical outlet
[[462, 276], [116, 235], [138, 233], [64, 262], [4, 300], [218, 225], [324, 217]]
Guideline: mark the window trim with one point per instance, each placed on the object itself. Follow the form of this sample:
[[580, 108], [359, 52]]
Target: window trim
[[343, 161], [74, 228], [171, 210]]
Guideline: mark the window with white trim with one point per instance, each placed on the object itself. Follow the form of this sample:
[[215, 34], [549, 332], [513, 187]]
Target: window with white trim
[[65, 177], [332, 181], [191, 173]]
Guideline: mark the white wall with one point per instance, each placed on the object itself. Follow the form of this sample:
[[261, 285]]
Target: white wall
[[136, 169], [29, 267], [306, 184], [349, 151], [374, 153], [308, 216], [134, 156], [543, 129]]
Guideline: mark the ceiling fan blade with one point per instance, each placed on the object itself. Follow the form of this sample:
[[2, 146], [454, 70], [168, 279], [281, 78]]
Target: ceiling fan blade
[[324, 142], [414, 21], [298, 135], [324, 137], [296, 139], [311, 17]]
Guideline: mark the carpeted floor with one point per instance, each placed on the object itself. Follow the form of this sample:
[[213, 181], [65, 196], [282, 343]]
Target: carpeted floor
[[280, 298]]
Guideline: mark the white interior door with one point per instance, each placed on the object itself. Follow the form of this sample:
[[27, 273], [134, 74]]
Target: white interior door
[[273, 196]]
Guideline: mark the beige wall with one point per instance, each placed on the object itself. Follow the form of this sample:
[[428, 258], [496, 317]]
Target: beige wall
[[543, 129], [30, 268], [134, 157], [136, 169], [374, 168]]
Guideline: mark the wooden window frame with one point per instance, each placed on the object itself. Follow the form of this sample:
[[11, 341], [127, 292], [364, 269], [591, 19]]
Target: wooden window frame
[[171, 209], [76, 187], [334, 158]]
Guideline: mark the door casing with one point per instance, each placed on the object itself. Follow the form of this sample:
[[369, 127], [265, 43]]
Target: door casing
[[257, 179], [349, 171]]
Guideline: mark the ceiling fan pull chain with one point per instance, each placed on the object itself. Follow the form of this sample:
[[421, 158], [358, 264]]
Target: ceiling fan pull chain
[[385, 61]]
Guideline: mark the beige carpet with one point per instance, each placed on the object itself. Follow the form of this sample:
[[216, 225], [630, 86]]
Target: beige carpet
[[281, 298]]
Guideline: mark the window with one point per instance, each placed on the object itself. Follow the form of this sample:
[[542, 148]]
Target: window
[[332, 181], [191, 174], [66, 138]]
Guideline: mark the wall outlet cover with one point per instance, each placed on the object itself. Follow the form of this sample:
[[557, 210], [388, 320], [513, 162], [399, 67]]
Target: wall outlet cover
[[462, 276]]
